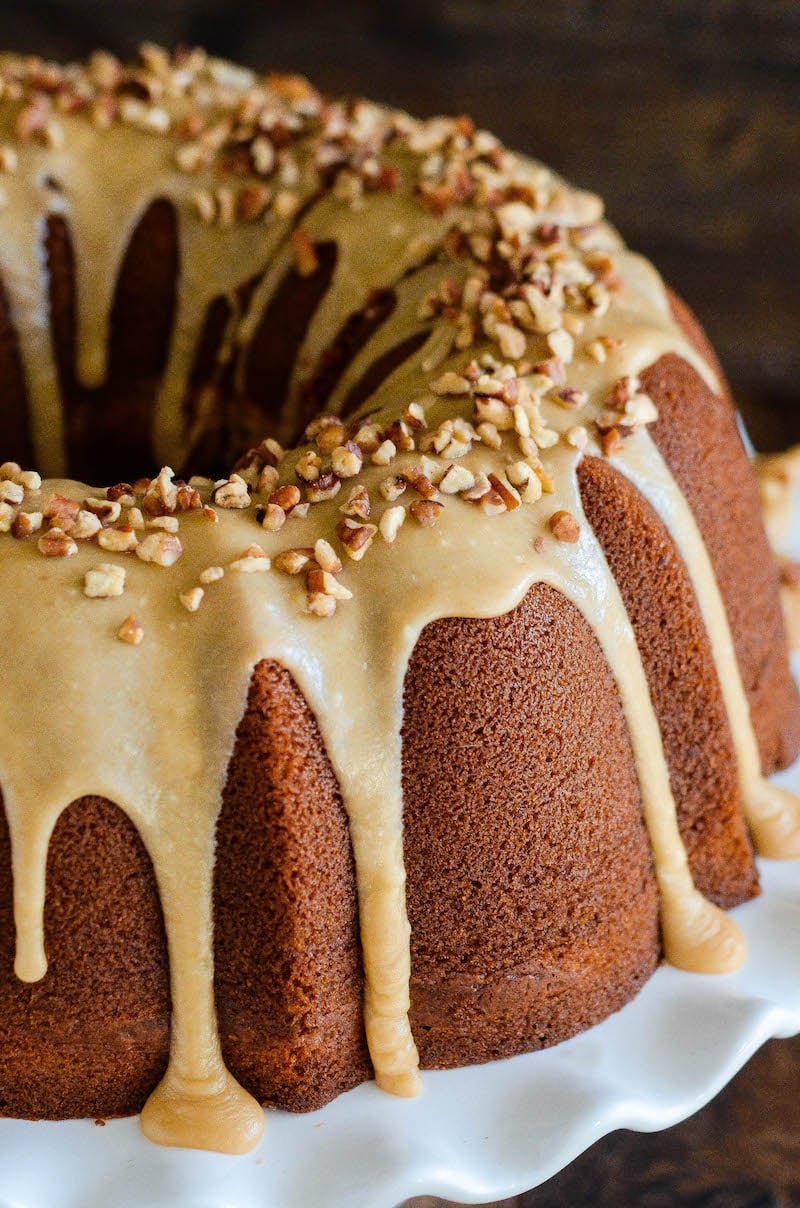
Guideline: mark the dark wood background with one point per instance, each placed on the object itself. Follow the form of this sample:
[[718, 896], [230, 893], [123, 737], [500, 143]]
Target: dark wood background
[[685, 115]]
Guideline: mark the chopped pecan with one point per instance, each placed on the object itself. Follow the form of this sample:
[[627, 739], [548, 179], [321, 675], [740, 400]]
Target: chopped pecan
[[55, 543], [130, 631], [104, 581], [356, 538], [426, 512], [565, 527]]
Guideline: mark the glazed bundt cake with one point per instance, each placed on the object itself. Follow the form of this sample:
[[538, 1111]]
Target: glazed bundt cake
[[419, 743]]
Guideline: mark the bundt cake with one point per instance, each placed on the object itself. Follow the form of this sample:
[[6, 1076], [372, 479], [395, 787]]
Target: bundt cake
[[419, 743]]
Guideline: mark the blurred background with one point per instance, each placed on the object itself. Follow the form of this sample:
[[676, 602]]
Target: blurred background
[[684, 114]]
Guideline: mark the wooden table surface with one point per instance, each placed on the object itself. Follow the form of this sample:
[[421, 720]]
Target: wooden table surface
[[686, 117]]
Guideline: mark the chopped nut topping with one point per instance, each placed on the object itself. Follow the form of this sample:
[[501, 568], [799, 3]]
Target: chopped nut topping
[[204, 205], [117, 541], [489, 435], [251, 561], [572, 399], [546, 315], [293, 561], [123, 494], [320, 605], [85, 526], [456, 479], [420, 483], [611, 442], [29, 480], [286, 497], [270, 452], [331, 435], [104, 582], [414, 416], [130, 631], [168, 524], [596, 349], [192, 599], [392, 488], [55, 543], [161, 495], [368, 438], [561, 345], [525, 263], [108, 511], [325, 487], [25, 524], [495, 412], [426, 512], [358, 503], [481, 487], [492, 502], [309, 466], [512, 341], [524, 478], [391, 522], [232, 493], [346, 460], [326, 557], [577, 436], [450, 384], [385, 453], [640, 410], [11, 492], [267, 480], [356, 538], [211, 574], [189, 499], [565, 527], [8, 159], [163, 549], [272, 517], [548, 486], [323, 581]]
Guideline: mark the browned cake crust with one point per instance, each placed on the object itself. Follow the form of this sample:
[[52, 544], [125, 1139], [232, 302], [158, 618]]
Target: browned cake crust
[[698, 437], [531, 893], [682, 678], [91, 1038], [288, 980]]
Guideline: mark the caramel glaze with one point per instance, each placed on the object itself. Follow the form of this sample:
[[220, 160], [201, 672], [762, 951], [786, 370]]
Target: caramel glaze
[[152, 728]]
